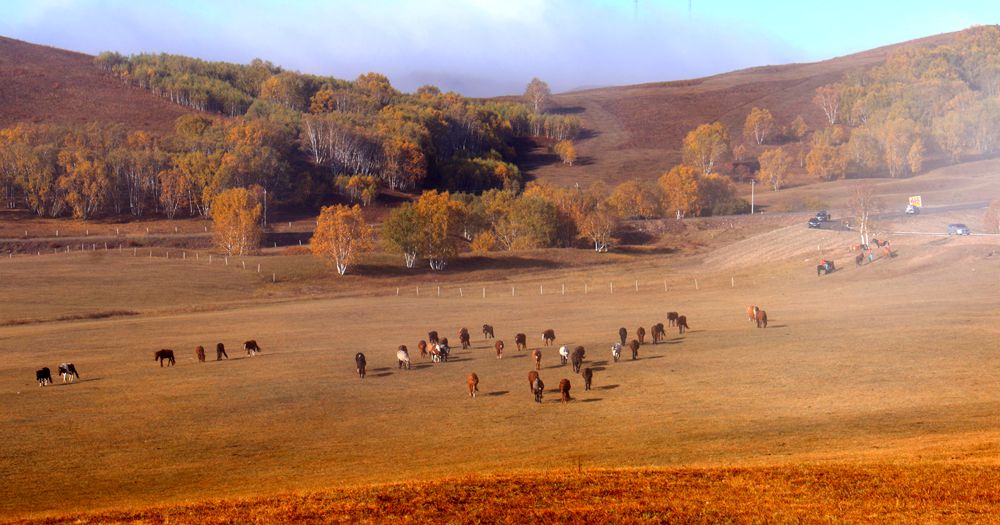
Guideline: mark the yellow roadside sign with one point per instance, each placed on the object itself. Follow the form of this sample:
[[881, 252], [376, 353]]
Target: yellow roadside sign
[[915, 201]]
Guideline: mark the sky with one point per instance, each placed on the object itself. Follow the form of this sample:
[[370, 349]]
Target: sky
[[490, 48]]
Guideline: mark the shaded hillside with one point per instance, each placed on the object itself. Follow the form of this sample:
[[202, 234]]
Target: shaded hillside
[[41, 84], [636, 131]]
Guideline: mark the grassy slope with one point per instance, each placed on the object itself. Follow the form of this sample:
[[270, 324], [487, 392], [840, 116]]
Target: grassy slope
[[42, 84]]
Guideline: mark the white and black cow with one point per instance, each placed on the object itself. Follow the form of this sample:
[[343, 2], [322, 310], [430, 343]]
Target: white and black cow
[[68, 372]]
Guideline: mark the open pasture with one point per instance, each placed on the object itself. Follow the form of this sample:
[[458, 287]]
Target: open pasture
[[893, 362]]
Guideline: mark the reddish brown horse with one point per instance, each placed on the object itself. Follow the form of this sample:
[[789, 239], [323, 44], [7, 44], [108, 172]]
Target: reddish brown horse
[[682, 323], [463, 337], [752, 312], [487, 331], [672, 318], [761, 319], [641, 334], [588, 377], [622, 334], [549, 336], [532, 376], [432, 337], [473, 382], [499, 348], [564, 390], [199, 352], [536, 354], [521, 341], [422, 346], [659, 332], [165, 355], [634, 346]]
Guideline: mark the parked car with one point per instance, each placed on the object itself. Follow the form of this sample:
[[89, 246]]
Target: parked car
[[912, 210], [958, 229], [815, 223], [823, 216]]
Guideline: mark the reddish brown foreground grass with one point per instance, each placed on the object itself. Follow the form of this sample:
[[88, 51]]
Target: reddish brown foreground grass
[[797, 494]]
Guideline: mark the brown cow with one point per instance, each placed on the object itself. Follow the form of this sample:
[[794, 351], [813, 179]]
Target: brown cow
[[463, 337], [549, 336], [199, 352], [487, 331], [220, 352], [521, 341], [473, 382], [432, 337], [658, 333], [761, 319], [532, 376], [588, 377], [682, 323], [499, 347], [564, 390], [672, 318], [752, 312], [536, 354], [577, 358], [422, 346], [634, 346], [641, 334], [622, 334]]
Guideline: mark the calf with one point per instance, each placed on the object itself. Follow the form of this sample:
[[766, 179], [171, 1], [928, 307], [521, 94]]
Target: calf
[[499, 348], [43, 376], [361, 363], [577, 358], [532, 376], [536, 354], [588, 377], [473, 382]]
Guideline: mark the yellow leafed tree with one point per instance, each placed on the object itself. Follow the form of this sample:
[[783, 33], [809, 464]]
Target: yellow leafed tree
[[236, 221], [705, 146], [680, 190], [758, 125], [342, 236], [774, 165]]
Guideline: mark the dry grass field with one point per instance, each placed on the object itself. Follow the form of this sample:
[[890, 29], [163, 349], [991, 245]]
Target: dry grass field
[[894, 363]]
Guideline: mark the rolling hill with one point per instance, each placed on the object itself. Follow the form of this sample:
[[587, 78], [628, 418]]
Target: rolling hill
[[42, 84], [636, 131]]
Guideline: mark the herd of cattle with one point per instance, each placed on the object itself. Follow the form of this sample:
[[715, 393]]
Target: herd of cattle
[[438, 350], [69, 373]]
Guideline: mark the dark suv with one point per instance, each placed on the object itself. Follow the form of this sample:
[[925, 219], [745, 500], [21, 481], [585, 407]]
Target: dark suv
[[823, 216], [815, 223]]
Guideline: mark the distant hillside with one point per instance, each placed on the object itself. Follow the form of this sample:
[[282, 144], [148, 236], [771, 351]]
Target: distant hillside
[[41, 84], [636, 131]]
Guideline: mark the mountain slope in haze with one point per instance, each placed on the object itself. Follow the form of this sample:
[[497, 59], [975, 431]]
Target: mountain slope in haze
[[41, 84], [636, 131]]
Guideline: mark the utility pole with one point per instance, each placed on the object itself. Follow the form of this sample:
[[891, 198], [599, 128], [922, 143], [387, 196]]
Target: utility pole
[[265, 207], [752, 182]]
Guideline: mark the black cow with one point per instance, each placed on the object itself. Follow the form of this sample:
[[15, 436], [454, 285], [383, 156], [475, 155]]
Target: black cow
[[359, 359], [43, 376]]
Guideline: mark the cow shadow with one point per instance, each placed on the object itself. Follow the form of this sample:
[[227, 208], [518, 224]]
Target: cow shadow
[[599, 363], [381, 374], [383, 369], [598, 368], [514, 356], [591, 400], [647, 358], [777, 326], [607, 387], [497, 393], [421, 366], [554, 366]]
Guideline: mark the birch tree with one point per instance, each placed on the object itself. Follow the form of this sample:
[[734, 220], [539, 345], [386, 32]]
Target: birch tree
[[342, 236]]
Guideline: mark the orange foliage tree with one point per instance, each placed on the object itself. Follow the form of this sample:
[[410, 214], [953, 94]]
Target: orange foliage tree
[[342, 236], [236, 217], [705, 145], [774, 167], [758, 125], [679, 187], [566, 151], [440, 220], [636, 199]]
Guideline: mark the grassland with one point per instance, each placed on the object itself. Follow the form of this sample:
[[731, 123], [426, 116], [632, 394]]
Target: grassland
[[890, 364]]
